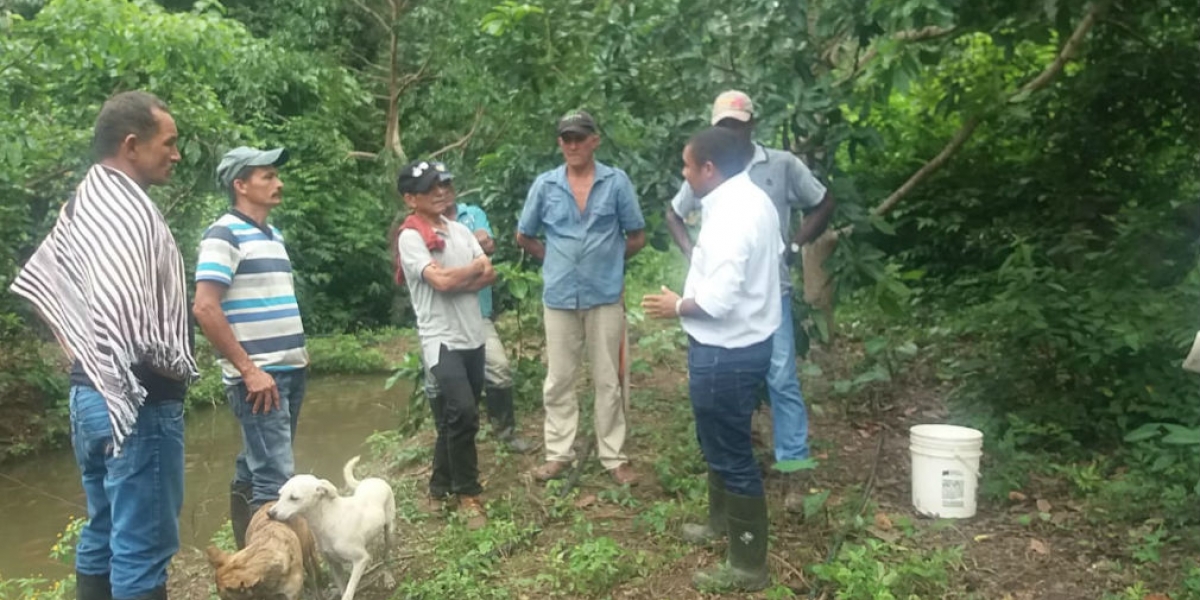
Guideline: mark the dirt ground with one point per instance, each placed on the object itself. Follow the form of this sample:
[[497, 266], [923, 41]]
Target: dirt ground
[[1038, 544]]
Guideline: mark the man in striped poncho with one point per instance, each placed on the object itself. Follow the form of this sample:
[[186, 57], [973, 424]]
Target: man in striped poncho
[[109, 281]]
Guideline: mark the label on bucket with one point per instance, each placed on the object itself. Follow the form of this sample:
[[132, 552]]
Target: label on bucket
[[953, 488]]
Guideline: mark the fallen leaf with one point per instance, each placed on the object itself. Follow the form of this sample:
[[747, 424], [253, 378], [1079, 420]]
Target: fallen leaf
[[882, 521], [1039, 547], [1044, 505], [890, 537], [585, 501], [983, 537], [910, 411], [1016, 496]]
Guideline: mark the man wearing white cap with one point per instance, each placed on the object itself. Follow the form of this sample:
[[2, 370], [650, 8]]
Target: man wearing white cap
[[246, 305], [789, 184]]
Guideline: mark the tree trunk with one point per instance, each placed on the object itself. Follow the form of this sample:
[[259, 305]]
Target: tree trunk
[[819, 285]]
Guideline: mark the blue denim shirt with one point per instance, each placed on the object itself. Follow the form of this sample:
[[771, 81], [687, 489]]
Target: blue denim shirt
[[585, 252], [475, 219]]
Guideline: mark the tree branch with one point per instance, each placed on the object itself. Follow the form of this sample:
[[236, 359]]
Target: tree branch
[[956, 142], [378, 17], [22, 59], [1069, 50], [362, 155], [908, 35], [464, 139]]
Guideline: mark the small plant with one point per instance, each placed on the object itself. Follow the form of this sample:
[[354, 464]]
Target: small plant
[[43, 588], [223, 537], [415, 411], [594, 566], [875, 570], [621, 496], [658, 518], [390, 448], [1149, 545]]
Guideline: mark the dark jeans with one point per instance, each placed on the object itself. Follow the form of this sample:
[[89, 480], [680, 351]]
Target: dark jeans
[[133, 499], [459, 375], [266, 461], [724, 385]]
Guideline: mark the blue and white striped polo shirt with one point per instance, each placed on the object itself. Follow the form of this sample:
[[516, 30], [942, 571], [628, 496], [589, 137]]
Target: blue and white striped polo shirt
[[260, 301]]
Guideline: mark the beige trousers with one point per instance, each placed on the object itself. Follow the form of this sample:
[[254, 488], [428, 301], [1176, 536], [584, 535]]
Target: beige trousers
[[496, 371], [568, 332]]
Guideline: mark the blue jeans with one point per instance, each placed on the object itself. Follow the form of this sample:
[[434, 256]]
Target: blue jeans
[[788, 413], [266, 460], [724, 384], [133, 499]]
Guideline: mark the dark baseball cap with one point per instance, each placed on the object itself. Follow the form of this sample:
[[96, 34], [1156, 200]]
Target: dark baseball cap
[[418, 177], [243, 156], [577, 121]]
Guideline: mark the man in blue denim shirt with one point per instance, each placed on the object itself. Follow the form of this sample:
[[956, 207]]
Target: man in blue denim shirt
[[589, 214]]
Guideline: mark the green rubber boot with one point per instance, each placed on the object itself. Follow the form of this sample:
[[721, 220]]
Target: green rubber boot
[[745, 568], [718, 524]]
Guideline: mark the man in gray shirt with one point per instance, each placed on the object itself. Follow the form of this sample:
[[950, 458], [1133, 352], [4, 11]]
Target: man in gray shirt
[[444, 267], [789, 183]]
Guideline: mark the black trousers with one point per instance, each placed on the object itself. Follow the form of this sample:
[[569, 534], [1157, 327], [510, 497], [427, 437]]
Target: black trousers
[[459, 375]]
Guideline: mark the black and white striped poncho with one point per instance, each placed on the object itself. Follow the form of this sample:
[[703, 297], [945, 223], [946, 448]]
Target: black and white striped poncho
[[109, 281]]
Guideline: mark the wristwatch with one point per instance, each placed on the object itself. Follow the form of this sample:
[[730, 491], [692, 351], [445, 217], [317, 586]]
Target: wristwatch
[[795, 248]]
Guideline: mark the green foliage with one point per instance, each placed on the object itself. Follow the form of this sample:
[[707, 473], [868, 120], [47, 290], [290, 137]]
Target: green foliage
[[875, 570], [34, 385], [466, 563], [344, 353], [592, 567], [411, 371], [42, 588]]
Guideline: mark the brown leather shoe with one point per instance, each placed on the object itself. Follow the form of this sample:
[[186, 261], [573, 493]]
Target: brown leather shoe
[[471, 507], [624, 474], [433, 504], [551, 469]]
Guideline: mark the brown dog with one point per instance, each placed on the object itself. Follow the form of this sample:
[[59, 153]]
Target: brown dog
[[274, 563]]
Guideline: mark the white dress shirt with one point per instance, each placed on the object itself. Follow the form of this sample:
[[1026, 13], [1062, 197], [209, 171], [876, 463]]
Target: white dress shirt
[[734, 274]]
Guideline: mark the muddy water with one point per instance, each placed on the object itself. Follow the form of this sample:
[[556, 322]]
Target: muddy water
[[40, 496]]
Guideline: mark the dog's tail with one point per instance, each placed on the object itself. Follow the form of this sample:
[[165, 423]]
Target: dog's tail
[[348, 473]]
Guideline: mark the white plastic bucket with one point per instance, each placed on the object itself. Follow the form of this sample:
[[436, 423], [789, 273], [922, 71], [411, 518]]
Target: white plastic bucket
[[945, 469]]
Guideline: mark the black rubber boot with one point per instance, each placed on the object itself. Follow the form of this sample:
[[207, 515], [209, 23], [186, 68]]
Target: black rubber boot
[[745, 569], [718, 523], [92, 587], [504, 420], [240, 511]]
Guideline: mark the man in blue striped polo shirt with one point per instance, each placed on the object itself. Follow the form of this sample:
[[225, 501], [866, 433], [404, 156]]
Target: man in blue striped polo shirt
[[246, 305]]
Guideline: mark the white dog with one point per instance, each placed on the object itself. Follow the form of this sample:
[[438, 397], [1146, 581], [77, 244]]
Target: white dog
[[344, 527]]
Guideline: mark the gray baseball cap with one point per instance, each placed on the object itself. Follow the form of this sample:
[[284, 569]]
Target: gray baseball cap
[[243, 156], [577, 121]]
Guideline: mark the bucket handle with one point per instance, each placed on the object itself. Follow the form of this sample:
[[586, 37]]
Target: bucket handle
[[968, 466]]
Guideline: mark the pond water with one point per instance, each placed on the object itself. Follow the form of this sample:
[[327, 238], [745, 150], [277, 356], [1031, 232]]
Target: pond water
[[38, 497]]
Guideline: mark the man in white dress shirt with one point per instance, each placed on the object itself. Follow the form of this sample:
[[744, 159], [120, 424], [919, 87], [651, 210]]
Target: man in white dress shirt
[[730, 308]]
